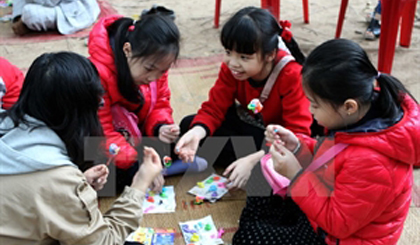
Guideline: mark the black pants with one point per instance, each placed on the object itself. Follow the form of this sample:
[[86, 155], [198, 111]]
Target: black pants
[[272, 220], [231, 126]]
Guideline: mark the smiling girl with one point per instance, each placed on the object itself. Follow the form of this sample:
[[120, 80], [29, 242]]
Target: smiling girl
[[254, 67]]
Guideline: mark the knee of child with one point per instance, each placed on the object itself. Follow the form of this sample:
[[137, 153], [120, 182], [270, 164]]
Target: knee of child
[[34, 20]]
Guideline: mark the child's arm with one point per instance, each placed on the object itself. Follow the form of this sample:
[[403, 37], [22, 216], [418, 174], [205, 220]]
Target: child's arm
[[221, 97], [295, 105], [74, 217], [13, 80], [362, 190], [210, 116], [241, 169], [162, 111]]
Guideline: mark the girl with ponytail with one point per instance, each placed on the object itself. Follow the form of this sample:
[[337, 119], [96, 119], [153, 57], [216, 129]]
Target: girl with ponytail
[[133, 58], [361, 194], [254, 69]]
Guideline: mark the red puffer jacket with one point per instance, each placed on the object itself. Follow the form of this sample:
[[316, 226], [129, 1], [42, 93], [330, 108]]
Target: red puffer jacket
[[286, 105], [363, 195], [12, 79], [102, 56]]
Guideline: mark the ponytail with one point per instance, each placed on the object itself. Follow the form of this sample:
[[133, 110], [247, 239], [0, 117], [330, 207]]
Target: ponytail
[[391, 94], [295, 51], [118, 32], [287, 37]]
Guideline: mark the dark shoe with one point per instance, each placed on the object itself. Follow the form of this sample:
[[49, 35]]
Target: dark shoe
[[19, 28], [159, 10], [373, 31]]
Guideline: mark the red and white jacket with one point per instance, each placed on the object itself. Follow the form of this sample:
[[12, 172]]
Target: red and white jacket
[[363, 195], [102, 56], [286, 105], [11, 80]]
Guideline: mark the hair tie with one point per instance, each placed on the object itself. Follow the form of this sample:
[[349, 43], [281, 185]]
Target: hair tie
[[132, 26], [378, 75], [286, 34]]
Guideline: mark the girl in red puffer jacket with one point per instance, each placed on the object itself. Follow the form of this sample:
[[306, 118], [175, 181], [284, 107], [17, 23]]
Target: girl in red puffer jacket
[[259, 83], [133, 59], [362, 194]]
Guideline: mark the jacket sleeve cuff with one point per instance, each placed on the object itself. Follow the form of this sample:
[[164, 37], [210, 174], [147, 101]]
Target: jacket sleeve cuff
[[298, 174], [156, 130]]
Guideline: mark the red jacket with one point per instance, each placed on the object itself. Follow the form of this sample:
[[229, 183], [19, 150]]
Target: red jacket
[[13, 79], [286, 105], [363, 195], [102, 56]]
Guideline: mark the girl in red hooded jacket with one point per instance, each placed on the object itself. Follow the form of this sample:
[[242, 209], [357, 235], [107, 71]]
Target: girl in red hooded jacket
[[253, 41], [132, 57], [362, 194]]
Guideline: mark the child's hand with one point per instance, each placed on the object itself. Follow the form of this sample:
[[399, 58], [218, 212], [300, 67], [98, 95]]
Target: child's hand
[[157, 184], [284, 161], [277, 132], [148, 171], [97, 176], [240, 172], [187, 146], [168, 133]]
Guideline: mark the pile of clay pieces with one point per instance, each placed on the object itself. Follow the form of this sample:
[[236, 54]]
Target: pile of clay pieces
[[201, 232]]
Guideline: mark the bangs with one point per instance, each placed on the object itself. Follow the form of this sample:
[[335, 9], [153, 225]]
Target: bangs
[[241, 35]]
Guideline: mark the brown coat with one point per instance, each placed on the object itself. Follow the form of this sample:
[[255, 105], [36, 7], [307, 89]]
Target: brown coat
[[58, 206]]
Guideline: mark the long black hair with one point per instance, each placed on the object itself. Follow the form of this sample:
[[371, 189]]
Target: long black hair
[[63, 90], [154, 35], [340, 69], [253, 30]]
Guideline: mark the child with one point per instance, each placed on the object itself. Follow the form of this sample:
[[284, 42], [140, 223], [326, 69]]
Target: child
[[11, 79], [374, 29], [363, 195], [66, 16], [251, 40], [133, 59], [48, 199]]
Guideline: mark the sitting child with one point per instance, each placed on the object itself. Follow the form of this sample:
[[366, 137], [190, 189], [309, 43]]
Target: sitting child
[[48, 199], [358, 188], [66, 16]]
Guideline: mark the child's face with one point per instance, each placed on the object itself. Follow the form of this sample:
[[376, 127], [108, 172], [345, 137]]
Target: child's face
[[326, 115], [147, 70], [244, 66]]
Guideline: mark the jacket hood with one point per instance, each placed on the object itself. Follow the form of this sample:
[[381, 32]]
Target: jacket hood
[[400, 141], [99, 46], [26, 149]]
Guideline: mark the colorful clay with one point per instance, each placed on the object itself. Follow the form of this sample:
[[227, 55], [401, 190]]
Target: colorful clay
[[200, 184], [255, 106], [167, 161]]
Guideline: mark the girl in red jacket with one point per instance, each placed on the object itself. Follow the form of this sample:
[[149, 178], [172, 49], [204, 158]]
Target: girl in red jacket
[[362, 192], [251, 40], [11, 80], [133, 58]]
